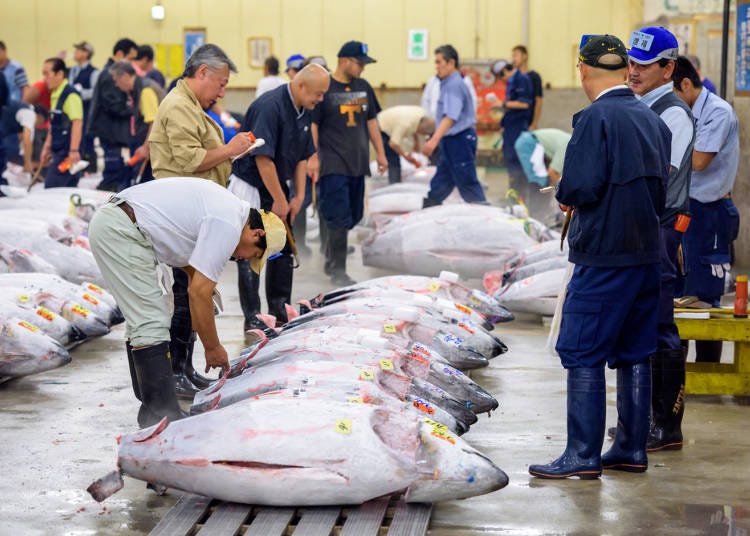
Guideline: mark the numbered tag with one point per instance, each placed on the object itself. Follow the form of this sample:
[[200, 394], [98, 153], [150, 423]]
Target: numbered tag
[[95, 288], [423, 406], [475, 300], [389, 328], [452, 339], [418, 357], [89, 298], [355, 400], [450, 371], [386, 364], [366, 374], [344, 426], [466, 328], [26, 325], [465, 310], [640, 40], [434, 286], [440, 431], [45, 313], [421, 349], [81, 311], [24, 298]]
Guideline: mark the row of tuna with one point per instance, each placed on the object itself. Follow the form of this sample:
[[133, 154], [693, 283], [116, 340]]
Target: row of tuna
[[361, 395], [51, 297]]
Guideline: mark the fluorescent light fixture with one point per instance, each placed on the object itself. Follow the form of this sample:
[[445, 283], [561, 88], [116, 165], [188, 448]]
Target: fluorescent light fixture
[[157, 12]]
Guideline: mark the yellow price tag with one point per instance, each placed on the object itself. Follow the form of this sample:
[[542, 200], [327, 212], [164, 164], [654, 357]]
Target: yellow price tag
[[440, 431], [355, 400], [23, 298], [366, 374], [344, 426], [386, 364], [81, 311], [30, 327], [389, 328], [475, 300], [434, 286]]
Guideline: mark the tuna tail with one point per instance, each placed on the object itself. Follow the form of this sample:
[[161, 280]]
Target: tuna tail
[[116, 317], [106, 486]]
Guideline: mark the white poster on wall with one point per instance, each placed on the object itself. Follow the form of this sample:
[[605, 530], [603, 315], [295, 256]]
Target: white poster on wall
[[417, 45]]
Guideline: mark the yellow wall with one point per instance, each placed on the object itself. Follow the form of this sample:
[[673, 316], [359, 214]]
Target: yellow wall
[[36, 29]]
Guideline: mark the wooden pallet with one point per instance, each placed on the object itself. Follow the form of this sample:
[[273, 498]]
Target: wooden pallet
[[196, 515]]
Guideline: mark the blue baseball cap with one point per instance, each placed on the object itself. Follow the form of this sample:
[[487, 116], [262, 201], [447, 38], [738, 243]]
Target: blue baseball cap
[[651, 44], [295, 61]]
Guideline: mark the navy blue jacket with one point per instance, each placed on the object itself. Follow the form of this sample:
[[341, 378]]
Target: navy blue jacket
[[615, 175]]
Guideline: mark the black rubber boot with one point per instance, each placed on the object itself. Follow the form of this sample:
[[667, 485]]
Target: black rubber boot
[[131, 366], [248, 283], [154, 372], [323, 230], [279, 275], [708, 351], [187, 380], [633, 405], [666, 429], [427, 203], [586, 414], [336, 256]]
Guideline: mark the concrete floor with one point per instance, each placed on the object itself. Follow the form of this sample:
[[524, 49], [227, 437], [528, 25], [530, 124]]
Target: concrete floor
[[59, 432]]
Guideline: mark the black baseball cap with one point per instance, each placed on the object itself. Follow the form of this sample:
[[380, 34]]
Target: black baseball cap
[[594, 47], [356, 50]]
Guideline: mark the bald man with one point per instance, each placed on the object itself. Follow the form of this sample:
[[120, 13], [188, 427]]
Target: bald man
[[281, 117]]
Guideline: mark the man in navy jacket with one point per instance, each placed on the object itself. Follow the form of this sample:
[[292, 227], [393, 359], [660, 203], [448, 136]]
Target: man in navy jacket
[[614, 178]]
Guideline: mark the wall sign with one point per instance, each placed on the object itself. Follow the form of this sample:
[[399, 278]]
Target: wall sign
[[417, 45], [742, 69], [192, 39]]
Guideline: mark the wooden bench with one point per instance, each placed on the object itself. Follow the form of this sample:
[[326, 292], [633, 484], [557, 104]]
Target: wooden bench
[[196, 515], [718, 378]]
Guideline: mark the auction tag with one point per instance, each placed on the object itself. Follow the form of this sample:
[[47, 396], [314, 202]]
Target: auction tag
[[45, 313], [366, 374], [417, 347], [441, 431], [389, 328], [434, 286], [465, 310], [89, 298], [640, 40], [30, 327], [355, 400], [423, 406], [344, 426], [95, 288], [386, 364], [475, 300], [24, 298], [81, 311], [465, 327]]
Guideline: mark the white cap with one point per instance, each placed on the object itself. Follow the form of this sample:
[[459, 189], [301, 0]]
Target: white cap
[[406, 313], [420, 300], [374, 342], [450, 277]]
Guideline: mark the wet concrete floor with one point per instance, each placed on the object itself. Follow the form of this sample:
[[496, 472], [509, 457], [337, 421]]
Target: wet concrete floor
[[59, 428]]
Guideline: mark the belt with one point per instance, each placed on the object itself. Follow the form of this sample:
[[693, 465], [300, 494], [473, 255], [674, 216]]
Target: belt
[[127, 209]]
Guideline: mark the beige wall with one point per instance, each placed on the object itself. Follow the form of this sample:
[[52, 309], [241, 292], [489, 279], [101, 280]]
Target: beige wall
[[37, 29]]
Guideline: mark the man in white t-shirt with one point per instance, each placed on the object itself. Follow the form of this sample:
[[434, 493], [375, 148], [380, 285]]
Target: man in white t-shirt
[[21, 119], [271, 79], [186, 223]]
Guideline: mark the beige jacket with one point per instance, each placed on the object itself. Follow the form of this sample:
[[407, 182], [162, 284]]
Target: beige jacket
[[180, 137]]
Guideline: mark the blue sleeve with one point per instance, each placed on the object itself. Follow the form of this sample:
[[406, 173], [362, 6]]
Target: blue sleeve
[[263, 121], [710, 136], [523, 90], [584, 174], [452, 102]]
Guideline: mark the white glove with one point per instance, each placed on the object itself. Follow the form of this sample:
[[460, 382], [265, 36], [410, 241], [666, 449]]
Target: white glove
[[718, 270], [78, 87]]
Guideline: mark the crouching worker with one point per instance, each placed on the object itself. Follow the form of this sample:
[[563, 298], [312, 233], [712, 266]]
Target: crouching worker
[[187, 223]]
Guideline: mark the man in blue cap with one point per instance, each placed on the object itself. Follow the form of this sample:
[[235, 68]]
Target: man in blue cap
[[294, 64], [652, 55], [343, 126], [614, 176]]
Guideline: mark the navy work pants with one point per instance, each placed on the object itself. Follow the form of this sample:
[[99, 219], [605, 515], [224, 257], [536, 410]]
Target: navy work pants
[[457, 168], [341, 200], [394, 160], [668, 337], [116, 175], [56, 178], [609, 316]]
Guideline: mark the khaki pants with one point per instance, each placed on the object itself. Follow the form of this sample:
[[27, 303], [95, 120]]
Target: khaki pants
[[126, 258]]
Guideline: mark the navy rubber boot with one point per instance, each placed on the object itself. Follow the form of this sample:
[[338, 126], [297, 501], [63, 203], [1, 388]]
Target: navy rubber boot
[[586, 414], [628, 452], [666, 428]]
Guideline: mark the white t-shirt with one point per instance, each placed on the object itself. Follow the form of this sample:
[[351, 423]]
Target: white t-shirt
[[26, 117], [190, 221], [267, 83]]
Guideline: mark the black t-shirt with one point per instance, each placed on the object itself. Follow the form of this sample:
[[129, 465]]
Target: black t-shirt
[[343, 138], [273, 117], [536, 90]]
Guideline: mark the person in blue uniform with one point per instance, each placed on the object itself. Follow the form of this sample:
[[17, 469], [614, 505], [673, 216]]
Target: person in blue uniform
[[281, 117], [84, 76], [715, 220], [614, 179], [652, 55], [344, 125], [454, 133], [516, 119]]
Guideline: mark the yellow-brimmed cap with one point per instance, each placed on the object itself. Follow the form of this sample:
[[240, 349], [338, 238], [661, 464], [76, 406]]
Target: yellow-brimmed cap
[[275, 239]]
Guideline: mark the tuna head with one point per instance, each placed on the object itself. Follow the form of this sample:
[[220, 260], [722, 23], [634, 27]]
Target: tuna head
[[450, 468], [457, 351], [489, 307], [24, 349]]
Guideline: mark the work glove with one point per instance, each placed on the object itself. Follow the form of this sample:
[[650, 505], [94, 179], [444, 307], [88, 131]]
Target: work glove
[[718, 270]]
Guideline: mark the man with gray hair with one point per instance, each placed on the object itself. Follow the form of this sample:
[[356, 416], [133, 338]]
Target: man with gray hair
[[184, 141]]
